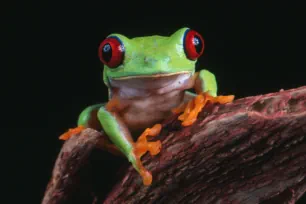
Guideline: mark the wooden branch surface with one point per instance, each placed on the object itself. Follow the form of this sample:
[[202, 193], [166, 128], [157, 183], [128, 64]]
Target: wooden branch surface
[[250, 151]]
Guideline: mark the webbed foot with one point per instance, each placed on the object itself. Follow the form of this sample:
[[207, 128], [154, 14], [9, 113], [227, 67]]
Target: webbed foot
[[70, 132], [142, 146], [193, 107]]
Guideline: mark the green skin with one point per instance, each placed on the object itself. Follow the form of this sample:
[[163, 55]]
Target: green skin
[[148, 61]]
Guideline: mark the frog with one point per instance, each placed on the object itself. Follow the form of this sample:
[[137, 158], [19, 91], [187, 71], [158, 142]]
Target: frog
[[149, 79]]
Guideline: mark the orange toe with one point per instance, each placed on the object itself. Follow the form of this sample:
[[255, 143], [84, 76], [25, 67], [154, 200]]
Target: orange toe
[[154, 147], [71, 132], [155, 130], [146, 177], [179, 109], [187, 110], [224, 99]]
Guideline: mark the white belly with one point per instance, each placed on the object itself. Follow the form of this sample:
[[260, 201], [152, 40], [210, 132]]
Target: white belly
[[146, 112], [150, 99]]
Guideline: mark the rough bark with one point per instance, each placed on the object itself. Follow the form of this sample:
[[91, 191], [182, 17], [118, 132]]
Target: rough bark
[[250, 151], [70, 171]]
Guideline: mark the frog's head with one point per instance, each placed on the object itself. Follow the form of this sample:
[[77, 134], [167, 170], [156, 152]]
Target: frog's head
[[151, 56]]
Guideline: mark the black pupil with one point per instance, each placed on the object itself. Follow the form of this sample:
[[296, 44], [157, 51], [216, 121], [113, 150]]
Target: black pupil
[[107, 52], [197, 43]]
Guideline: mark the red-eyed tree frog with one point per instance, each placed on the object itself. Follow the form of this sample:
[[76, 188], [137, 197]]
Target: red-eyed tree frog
[[147, 78]]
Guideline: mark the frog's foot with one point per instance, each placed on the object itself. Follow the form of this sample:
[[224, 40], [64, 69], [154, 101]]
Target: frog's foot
[[180, 108], [142, 146], [71, 132], [194, 106]]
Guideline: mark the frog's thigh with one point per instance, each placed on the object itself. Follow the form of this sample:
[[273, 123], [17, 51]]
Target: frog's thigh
[[88, 117], [116, 130]]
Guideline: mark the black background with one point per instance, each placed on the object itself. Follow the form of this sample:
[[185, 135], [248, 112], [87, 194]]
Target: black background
[[54, 71]]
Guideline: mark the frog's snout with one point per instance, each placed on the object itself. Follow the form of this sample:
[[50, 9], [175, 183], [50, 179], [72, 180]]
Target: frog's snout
[[157, 63], [150, 60]]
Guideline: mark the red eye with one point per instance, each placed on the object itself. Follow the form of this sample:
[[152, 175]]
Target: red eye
[[111, 52], [193, 44]]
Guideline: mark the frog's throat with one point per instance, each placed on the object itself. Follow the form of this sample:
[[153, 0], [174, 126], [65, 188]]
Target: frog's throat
[[157, 75]]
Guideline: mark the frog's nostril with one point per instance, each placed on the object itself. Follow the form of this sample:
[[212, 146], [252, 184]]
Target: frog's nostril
[[149, 60], [167, 59]]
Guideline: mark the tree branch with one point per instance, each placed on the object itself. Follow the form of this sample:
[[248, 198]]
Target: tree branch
[[250, 151]]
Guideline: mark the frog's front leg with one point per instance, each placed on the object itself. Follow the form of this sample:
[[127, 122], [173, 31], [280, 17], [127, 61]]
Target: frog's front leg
[[119, 134], [205, 85], [205, 81]]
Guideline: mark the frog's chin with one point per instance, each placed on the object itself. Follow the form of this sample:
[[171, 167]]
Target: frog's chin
[[154, 81]]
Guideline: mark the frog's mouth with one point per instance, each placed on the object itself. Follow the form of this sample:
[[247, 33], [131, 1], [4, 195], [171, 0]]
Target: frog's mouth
[[157, 75], [154, 81]]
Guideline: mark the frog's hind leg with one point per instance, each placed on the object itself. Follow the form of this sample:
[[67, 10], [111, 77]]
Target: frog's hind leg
[[89, 119], [119, 134]]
